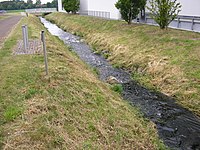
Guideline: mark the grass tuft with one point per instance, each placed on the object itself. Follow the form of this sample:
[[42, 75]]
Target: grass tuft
[[117, 88], [11, 113]]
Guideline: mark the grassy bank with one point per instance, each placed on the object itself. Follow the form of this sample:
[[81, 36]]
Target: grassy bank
[[70, 109], [15, 11], [167, 61]]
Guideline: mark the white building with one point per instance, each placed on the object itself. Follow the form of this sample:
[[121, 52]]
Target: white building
[[103, 8], [106, 8], [190, 7], [100, 8]]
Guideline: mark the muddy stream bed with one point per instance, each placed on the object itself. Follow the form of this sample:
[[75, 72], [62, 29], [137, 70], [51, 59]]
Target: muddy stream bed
[[177, 127]]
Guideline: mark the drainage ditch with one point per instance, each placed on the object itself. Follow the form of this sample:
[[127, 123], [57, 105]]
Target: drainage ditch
[[177, 127]]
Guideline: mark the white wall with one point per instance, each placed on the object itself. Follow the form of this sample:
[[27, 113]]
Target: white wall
[[83, 5], [105, 6], [190, 7]]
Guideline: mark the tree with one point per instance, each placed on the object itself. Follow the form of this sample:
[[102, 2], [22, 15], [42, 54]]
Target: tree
[[164, 11], [129, 9], [38, 3], [48, 5], [29, 2], [54, 3], [71, 5]]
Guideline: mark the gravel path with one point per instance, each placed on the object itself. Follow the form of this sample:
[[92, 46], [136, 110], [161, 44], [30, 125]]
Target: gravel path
[[6, 25]]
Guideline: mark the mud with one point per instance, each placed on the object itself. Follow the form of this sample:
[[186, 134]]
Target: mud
[[177, 127]]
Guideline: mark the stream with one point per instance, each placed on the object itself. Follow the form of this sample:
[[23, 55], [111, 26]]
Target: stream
[[177, 127]]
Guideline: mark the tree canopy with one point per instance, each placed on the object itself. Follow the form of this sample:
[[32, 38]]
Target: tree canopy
[[164, 11], [71, 5], [20, 4], [38, 3], [129, 9]]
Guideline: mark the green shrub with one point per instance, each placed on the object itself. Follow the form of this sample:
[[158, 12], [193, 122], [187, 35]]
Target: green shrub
[[71, 5]]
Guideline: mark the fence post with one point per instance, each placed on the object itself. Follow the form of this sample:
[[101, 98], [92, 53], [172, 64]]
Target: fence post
[[25, 40], [26, 32], [45, 52]]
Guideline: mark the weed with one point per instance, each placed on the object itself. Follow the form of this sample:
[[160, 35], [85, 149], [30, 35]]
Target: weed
[[80, 34], [57, 142], [87, 145], [118, 66], [94, 48], [106, 55], [96, 71], [12, 112], [31, 92], [91, 127], [117, 88]]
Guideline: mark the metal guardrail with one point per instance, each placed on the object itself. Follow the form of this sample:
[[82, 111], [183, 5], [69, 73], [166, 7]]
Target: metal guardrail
[[191, 23], [41, 10], [101, 14]]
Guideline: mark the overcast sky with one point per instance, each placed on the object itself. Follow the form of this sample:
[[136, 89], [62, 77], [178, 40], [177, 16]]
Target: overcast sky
[[43, 1]]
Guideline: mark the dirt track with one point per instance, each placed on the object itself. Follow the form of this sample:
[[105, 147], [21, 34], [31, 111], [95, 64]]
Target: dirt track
[[6, 26]]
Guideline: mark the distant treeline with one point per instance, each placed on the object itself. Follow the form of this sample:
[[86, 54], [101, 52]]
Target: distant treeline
[[20, 4]]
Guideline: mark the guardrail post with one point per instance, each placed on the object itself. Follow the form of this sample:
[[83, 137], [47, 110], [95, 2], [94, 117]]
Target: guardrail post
[[45, 52], [192, 26], [178, 22]]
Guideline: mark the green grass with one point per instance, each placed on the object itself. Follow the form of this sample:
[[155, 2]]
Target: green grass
[[11, 113], [15, 11], [96, 71], [69, 109], [117, 88], [2, 17], [167, 61]]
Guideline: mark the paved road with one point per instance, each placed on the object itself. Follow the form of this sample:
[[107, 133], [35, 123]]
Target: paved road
[[6, 25]]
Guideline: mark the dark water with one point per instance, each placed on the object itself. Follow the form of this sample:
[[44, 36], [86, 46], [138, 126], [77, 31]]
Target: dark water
[[177, 127]]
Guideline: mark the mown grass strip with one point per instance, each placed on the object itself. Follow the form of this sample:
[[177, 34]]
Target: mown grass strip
[[167, 61], [2, 17], [69, 109]]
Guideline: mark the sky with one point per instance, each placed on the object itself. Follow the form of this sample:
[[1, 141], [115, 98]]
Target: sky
[[43, 1]]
